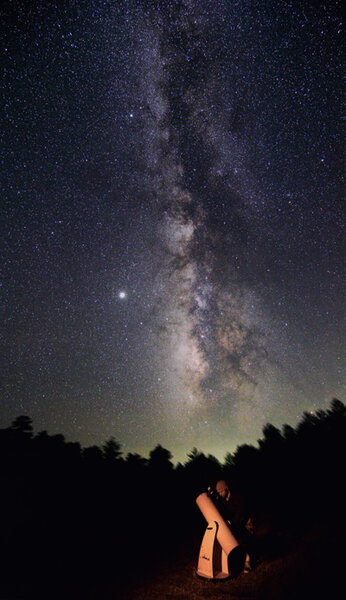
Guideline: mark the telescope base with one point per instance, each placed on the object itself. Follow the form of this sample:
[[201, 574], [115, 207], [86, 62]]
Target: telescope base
[[212, 560], [216, 577]]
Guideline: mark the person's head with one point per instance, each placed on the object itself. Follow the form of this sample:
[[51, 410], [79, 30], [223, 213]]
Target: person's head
[[223, 489]]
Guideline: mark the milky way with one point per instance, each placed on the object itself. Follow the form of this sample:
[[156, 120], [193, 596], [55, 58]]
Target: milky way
[[173, 267]]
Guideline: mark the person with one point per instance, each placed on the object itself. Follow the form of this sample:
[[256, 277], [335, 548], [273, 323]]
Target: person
[[223, 490], [234, 510]]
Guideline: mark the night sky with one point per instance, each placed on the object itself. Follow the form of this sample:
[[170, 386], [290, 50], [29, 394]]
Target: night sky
[[172, 250]]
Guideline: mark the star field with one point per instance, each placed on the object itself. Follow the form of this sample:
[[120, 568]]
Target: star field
[[172, 220]]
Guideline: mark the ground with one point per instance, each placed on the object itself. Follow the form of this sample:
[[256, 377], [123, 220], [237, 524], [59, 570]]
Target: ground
[[313, 568]]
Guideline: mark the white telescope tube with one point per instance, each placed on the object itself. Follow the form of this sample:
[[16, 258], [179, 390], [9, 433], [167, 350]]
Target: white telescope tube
[[224, 535]]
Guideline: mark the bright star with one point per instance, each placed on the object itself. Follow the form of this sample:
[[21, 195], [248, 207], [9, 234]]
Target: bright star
[[122, 295]]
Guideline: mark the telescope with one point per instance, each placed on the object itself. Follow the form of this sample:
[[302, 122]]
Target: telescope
[[220, 554]]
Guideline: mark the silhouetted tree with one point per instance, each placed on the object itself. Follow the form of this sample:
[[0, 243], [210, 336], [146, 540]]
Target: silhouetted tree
[[160, 459], [112, 450], [288, 432], [337, 408], [201, 471], [228, 461], [246, 460], [135, 460], [93, 454], [23, 424], [194, 454]]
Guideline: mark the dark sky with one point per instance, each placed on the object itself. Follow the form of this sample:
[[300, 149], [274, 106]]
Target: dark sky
[[172, 256]]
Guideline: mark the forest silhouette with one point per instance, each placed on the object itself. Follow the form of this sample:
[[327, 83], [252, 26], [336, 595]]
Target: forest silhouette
[[92, 514]]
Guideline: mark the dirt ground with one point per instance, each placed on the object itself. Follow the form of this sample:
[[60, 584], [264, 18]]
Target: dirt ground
[[311, 569]]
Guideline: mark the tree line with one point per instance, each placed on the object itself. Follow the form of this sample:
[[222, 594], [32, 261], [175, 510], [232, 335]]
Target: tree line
[[97, 513]]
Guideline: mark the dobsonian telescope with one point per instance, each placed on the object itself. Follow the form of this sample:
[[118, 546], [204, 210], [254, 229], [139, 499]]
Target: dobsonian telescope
[[220, 554]]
